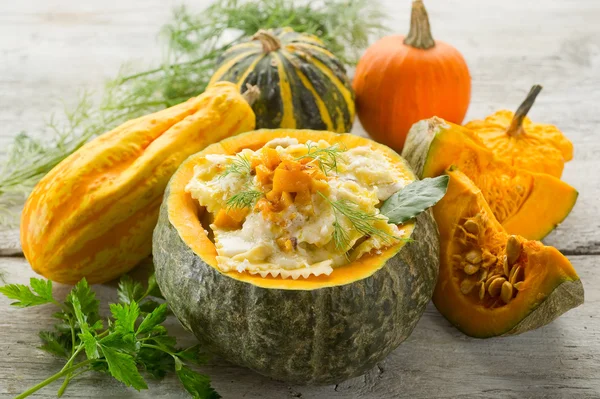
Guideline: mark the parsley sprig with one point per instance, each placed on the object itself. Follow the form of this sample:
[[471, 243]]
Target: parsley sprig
[[133, 339]]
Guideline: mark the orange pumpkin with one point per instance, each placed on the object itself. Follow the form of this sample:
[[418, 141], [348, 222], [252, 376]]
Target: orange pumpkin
[[401, 80]]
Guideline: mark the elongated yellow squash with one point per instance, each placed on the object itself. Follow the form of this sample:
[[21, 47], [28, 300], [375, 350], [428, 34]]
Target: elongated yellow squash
[[93, 215]]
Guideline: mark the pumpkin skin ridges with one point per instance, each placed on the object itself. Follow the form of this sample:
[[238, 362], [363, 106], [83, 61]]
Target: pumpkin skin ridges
[[280, 104], [84, 216], [550, 288], [434, 144], [292, 331]]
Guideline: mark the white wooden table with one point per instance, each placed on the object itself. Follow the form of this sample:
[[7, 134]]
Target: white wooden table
[[50, 50]]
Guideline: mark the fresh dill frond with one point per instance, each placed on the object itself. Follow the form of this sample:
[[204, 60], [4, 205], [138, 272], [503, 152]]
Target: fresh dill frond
[[194, 41], [244, 199], [239, 166], [327, 157], [361, 221]]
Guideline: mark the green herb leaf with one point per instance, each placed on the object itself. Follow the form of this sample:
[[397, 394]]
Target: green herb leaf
[[56, 344], [414, 199], [198, 385], [87, 300], [239, 166], [25, 296], [327, 158], [153, 319], [244, 199], [125, 316], [193, 355], [153, 288], [89, 344], [120, 341], [122, 366], [129, 290], [155, 362]]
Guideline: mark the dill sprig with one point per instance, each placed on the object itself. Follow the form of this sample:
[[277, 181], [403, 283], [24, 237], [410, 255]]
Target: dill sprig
[[327, 157], [361, 221], [244, 199], [193, 43], [239, 166]]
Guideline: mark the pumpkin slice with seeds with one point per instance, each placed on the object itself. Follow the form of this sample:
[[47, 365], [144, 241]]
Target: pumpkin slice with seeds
[[526, 203], [492, 283], [515, 139]]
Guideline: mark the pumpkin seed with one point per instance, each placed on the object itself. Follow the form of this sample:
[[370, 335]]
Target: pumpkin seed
[[513, 250], [496, 286], [473, 256], [506, 292], [491, 278], [518, 285], [483, 276], [466, 286], [471, 269], [481, 291], [471, 226], [515, 274], [506, 270]]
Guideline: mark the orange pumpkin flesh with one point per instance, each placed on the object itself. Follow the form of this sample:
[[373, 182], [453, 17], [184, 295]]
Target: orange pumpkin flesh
[[515, 139], [536, 286], [401, 80], [525, 203]]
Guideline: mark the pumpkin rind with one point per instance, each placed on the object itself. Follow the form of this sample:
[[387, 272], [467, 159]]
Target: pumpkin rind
[[302, 84], [526, 203], [550, 285], [317, 333], [93, 215]]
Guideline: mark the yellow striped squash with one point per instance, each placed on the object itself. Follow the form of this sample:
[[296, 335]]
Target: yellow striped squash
[[93, 215], [302, 84]]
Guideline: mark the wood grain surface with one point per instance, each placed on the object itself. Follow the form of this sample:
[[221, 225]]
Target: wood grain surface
[[52, 50]]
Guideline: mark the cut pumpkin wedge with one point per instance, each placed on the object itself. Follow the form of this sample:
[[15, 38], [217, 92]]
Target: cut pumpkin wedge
[[492, 283], [526, 203]]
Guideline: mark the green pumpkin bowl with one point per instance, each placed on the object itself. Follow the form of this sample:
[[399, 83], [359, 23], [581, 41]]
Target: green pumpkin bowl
[[315, 330]]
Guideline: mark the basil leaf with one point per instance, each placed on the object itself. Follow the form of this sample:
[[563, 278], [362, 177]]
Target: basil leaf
[[414, 199]]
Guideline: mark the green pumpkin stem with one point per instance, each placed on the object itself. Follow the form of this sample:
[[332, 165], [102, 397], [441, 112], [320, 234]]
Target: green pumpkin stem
[[516, 125], [419, 35], [269, 41]]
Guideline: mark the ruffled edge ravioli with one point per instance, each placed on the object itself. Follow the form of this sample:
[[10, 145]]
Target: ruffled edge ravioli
[[365, 175]]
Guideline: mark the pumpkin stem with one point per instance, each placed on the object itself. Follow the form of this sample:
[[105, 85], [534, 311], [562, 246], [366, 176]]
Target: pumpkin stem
[[251, 94], [516, 125], [269, 41], [419, 35]]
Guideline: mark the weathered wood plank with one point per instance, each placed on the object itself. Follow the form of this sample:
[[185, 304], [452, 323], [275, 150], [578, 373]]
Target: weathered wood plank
[[559, 360]]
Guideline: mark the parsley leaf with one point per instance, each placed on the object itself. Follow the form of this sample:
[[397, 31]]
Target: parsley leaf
[[129, 290], [121, 349], [55, 343], [26, 297], [122, 366], [198, 385], [153, 319]]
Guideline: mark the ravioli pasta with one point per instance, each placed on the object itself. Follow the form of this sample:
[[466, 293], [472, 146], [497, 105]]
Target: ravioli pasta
[[280, 211]]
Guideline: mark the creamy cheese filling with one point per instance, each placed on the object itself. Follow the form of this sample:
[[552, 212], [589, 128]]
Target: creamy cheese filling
[[295, 210]]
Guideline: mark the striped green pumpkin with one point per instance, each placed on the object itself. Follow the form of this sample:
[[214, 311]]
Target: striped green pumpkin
[[302, 85]]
